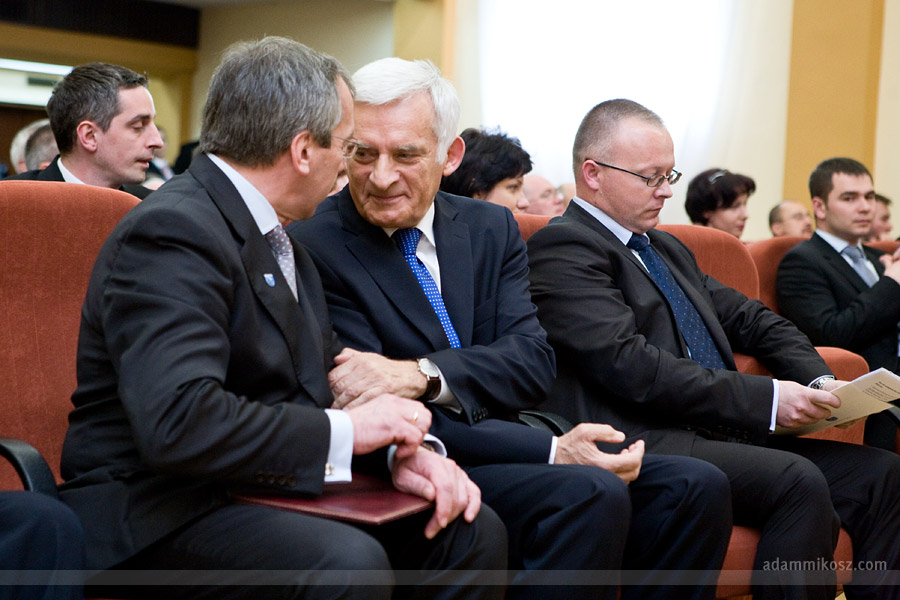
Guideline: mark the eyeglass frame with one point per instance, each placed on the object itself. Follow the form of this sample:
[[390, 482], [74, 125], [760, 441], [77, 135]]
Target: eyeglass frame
[[349, 147], [667, 178]]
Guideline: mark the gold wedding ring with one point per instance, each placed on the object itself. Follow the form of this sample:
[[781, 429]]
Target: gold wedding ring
[[415, 416]]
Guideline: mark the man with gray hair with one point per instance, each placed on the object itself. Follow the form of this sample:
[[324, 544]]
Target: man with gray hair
[[203, 370], [102, 117], [438, 284], [40, 149], [17, 147]]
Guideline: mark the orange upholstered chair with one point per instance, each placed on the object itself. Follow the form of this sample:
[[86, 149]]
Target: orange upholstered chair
[[767, 255], [50, 234], [889, 246], [724, 257]]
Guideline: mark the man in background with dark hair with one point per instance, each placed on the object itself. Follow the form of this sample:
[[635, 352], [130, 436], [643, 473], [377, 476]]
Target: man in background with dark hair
[[102, 118], [838, 291], [881, 223], [202, 369]]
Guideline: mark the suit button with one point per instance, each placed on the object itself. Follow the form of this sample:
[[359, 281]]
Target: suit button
[[259, 477], [292, 481], [282, 480], [271, 479]]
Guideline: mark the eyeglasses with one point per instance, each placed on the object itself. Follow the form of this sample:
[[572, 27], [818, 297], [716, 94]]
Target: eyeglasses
[[348, 147], [654, 181]]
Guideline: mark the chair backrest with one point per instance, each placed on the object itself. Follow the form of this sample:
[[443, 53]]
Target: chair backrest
[[720, 255], [528, 224], [50, 234], [767, 255], [889, 246]]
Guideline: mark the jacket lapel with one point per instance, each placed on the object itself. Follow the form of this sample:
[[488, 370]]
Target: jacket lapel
[[454, 249], [382, 259], [836, 261], [294, 319]]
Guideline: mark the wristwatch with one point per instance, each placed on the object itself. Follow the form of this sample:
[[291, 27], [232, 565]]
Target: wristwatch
[[432, 377], [819, 383]]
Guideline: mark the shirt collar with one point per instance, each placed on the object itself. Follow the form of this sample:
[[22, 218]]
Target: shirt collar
[[621, 233], [835, 242], [426, 226], [67, 175], [263, 214]]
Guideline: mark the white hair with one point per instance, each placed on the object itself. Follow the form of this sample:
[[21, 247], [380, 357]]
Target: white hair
[[17, 148], [393, 79]]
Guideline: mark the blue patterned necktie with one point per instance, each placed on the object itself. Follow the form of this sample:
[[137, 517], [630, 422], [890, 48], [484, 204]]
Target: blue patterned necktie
[[408, 241], [284, 254], [699, 342], [859, 265]]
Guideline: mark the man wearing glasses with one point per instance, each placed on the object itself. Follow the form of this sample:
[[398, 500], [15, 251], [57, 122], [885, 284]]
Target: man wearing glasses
[[644, 342]]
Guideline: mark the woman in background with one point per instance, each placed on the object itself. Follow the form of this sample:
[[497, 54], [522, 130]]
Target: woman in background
[[492, 169], [718, 198]]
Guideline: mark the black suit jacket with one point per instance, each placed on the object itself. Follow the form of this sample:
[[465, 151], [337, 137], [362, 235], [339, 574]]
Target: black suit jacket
[[620, 356], [52, 173], [377, 305], [195, 375], [820, 292]]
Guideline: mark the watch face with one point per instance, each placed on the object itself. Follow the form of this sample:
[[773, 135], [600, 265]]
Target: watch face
[[428, 368]]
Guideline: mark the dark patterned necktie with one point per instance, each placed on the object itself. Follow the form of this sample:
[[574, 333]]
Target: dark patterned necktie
[[699, 342], [408, 241], [284, 254]]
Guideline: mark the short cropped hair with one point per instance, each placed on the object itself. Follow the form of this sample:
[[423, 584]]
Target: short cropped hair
[[597, 131], [392, 79], [88, 93], [40, 147], [820, 180], [714, 189], [264, 93], [883, 199], [490, 157], [17, 147]]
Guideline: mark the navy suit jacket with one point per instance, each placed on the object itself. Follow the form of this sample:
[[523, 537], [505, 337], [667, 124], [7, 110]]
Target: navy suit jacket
[[621, 357], [377, 305], [196, 376], [820, 292], [52, 173]]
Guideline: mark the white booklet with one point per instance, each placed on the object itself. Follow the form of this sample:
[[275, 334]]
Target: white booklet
[[865, 395]]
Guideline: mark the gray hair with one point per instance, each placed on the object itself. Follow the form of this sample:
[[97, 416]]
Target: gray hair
[[40, 147], [264, 93], [393, 79], [17, 148], [597, 131], [88, 93]]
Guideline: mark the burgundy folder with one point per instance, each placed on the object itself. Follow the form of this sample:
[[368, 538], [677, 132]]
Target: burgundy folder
[[366, 499]]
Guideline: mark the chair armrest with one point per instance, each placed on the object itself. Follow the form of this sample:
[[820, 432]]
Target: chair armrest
[[551, 422], [30, 465]]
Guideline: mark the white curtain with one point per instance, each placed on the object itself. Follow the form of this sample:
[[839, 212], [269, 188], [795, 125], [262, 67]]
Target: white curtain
[[715, 71]]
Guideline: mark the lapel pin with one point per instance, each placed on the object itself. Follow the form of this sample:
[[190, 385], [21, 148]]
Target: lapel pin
[[270, 279]]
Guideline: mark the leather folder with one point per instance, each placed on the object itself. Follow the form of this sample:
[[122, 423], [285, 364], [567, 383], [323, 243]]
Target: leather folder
[[366, 500]]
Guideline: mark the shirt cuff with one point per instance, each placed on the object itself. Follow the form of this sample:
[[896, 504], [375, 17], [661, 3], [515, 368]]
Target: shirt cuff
[[340, 447], [434, 443], [553, 449], [445, 397], [772, 421]]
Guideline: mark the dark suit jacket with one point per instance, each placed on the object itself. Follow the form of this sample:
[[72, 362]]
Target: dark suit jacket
[[52, 173], [195, 376], [376, 304], [620, 356], [831, 303]]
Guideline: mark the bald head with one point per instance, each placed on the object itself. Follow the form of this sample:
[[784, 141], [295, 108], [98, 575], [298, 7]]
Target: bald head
[[790, 218], [543, 198]]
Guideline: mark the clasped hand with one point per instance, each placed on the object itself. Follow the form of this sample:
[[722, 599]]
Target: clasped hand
[[579, 447], [361, 376]]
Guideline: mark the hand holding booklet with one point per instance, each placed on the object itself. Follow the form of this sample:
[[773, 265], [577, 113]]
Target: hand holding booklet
[[865, 395]]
